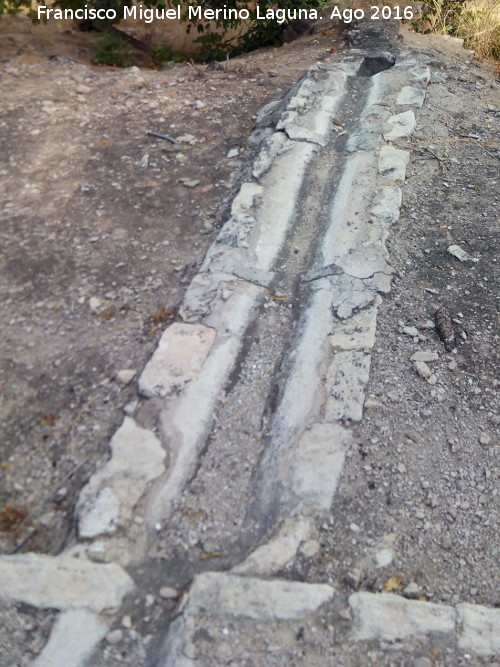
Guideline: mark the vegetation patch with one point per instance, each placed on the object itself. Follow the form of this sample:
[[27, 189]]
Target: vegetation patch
[[476, 21]]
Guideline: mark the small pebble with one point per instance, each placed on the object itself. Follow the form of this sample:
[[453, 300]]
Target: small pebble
[[114, 637], [168, 593]]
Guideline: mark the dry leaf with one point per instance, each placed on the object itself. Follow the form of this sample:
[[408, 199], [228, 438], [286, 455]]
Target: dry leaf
[[48, 419], [393, 584], [212, 554]]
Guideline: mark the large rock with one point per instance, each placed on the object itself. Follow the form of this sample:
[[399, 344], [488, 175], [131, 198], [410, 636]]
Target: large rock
[[63, 582]]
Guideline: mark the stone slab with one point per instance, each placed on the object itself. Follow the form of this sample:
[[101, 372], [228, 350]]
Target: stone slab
[[388, 617], [386, 206], [73, 638], [227, 594], [108, 500], [479, 629], [399, 126], [346, 380], [356, 333], [280, 550], [63, 582], [177, 361], [392, 163]]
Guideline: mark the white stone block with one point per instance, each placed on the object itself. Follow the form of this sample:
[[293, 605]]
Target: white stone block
[[109, 498], [410, 96], [346, 381], [399, 126], [178, 360], [392, 163], [226, 594], [388, 617], [357, 332], [62, 582], [73, 638], [479, 629], [280, 550]]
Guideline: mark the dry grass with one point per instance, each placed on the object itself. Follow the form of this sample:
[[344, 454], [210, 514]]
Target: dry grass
[[479, 24], [477, 21]]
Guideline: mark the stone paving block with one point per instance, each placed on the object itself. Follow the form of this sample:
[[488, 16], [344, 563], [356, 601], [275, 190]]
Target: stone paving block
[[399, 126], [386, 206], [62, 582], [420, 74], [479, 629], [356, 333], [346, 380], [227, 594], [109, 498], [246, 198], [280, 550], [316, 465], [73, 638], [388, 617], [392, 163], [411, 96], [177, 361]]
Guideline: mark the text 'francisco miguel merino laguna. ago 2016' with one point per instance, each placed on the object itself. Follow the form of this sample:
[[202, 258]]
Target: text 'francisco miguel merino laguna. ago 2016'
[[189, 13]]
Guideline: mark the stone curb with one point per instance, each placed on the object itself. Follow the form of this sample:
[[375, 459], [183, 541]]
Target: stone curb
[[383, 617], [388, 617]]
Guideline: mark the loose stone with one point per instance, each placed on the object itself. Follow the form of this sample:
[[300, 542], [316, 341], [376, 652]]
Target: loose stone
[[422, 369]]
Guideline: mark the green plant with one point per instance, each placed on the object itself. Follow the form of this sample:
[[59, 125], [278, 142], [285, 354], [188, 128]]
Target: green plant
[[113, 51], [231, 36], [163, 53]]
